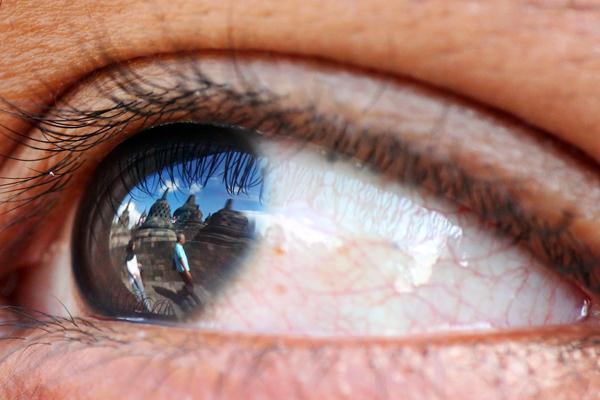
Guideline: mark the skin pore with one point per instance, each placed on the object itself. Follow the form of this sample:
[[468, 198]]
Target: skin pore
[[536, 60]]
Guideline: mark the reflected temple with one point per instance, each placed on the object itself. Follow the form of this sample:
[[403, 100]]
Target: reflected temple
[[170, 222], [213, 247]]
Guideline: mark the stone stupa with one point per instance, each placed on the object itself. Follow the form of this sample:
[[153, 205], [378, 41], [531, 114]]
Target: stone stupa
[[155, 240], [188, 218], [157, 226], [225, 226]]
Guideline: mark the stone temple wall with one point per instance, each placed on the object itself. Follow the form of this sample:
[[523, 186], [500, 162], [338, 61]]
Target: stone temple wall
[[215, 248], [156, 259], [211, 263]]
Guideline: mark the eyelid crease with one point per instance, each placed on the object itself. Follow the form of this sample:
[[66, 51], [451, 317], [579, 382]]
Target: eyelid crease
[[190, 94]]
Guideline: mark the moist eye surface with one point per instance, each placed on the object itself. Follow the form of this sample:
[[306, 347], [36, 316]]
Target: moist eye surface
[[282, 238], [166, 225]]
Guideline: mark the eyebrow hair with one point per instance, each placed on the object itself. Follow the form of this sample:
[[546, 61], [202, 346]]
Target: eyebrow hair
[[67, 132]]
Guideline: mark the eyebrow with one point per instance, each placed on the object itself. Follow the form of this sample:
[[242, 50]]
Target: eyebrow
[[67, 132]]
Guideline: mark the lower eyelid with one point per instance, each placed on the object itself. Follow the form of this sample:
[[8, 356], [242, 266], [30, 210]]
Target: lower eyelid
[[135, 358]]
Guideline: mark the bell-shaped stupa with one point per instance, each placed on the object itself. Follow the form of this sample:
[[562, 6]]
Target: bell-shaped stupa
[[188, 218], [157, 226], [155, 240], [225, 226]]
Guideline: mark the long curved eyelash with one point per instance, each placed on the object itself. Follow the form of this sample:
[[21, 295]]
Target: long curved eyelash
[[17, 319], [240, 173], [147, 307], [144, 102], [140, 100]]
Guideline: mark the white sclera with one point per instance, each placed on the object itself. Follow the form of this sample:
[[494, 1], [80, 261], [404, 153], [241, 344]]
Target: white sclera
[[344, 254]]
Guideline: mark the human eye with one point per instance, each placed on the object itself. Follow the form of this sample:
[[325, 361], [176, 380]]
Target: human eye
[[387, 248], [332, 114], [356, 274]]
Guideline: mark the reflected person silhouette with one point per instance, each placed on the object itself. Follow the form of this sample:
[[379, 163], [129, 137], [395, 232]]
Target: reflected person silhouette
[[134, 274], [182, 266]]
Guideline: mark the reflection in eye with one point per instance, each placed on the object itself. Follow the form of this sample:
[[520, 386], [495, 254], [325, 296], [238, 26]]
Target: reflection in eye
[[279, 238], [170, 260]]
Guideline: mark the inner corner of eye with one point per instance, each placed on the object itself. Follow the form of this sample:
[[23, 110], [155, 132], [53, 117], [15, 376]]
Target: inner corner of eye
[[219, 228]]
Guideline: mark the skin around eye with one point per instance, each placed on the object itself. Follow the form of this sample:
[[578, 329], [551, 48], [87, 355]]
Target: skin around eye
[[534, 59], [483, 51], [413, 123]]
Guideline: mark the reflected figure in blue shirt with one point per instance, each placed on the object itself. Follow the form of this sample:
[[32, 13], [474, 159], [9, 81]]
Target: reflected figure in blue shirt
[[181, 264]]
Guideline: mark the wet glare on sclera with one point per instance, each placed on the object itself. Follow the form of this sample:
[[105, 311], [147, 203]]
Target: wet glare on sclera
[[344, 252]]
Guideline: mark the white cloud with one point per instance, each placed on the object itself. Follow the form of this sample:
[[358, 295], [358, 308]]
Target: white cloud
[[295, 227], [172, 186], [134, 213], [177, 186], [195, 188]]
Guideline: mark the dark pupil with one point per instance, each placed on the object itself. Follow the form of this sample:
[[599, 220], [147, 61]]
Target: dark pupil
[[132, 268]]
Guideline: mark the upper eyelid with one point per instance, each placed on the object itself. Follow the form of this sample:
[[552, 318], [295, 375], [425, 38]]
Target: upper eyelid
[[400, 154]]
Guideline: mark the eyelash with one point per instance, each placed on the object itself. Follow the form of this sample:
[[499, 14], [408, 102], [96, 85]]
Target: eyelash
[[197, 98], [187, 158]]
